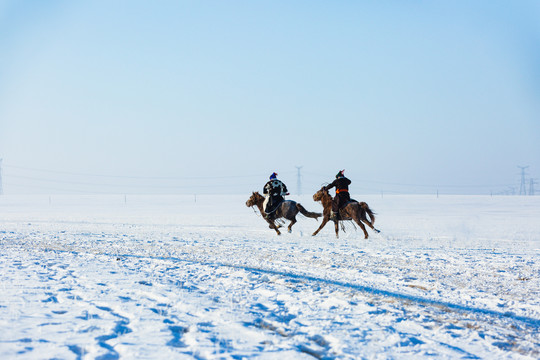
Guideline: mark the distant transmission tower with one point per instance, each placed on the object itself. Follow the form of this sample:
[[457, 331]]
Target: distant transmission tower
[[531, 187], [522, 188], [299, 180], [1, 188]]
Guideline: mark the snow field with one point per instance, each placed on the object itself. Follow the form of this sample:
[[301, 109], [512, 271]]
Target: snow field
[[167, 277]]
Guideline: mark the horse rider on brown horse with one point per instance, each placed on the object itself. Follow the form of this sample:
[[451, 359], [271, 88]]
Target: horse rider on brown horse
[[342, 194], [274, 191]]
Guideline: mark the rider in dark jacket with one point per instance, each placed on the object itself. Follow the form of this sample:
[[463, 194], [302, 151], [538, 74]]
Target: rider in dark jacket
[[342, 193], [274, 190]]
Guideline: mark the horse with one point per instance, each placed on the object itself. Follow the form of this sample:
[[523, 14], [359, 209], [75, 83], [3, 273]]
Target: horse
[[353, 210], [288, 209]]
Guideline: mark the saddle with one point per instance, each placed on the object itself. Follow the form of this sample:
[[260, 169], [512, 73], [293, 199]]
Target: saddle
[[270, 206], [340, 215]]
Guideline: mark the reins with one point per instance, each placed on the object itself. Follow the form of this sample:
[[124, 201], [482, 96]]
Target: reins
[[261, 212], [256, 204], [253, 207], [273, 211]]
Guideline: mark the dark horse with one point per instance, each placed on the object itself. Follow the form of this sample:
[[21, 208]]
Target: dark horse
[[288, 209], [353, 210]]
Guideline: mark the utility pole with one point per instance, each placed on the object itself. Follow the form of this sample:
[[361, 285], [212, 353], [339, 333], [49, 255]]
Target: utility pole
[[299, 180], [1, 188], [522, 189]]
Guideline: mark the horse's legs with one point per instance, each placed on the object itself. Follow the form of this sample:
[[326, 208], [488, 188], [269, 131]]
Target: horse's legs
[[324, 221], [368, 223], [336, 225], [293, 221], [358, 219], [273, 225], [371, 226]]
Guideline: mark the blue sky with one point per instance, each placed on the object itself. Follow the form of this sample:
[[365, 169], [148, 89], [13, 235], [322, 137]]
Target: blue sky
[[213, 96]]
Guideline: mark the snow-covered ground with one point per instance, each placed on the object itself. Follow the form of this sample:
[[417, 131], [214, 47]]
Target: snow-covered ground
[[179, 277]]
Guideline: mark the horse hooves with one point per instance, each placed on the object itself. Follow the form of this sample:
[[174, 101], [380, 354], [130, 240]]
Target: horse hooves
[[377, 231], [289, 231]]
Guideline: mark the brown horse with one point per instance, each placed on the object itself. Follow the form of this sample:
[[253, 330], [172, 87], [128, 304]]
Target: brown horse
[[354, 210], [288, 209]]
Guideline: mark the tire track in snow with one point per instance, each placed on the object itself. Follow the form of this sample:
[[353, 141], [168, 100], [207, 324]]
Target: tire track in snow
[[534, 323]]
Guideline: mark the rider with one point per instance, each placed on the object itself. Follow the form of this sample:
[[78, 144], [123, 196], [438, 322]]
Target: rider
[[342, 193], [274, 190]]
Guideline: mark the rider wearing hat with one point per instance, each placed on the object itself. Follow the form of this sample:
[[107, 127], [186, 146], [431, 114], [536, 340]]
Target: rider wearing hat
[[274, 190], [342, 193]]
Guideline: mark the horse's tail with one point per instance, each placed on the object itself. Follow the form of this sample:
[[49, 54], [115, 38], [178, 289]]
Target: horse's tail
[[307, 213], [364, 206]]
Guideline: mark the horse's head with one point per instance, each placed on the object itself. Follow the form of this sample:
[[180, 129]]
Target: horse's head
[[318, 196], [253, 199]]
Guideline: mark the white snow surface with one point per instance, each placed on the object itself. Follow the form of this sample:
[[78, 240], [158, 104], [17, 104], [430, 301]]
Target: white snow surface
[[184, 277]]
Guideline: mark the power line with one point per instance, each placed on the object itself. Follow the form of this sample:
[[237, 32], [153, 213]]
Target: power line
[[368, 181], [136, 177], [122, 185], [376, 182], [67, 181], [21, 177]]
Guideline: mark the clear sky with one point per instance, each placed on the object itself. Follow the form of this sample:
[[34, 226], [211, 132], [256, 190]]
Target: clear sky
[[213, 96]]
